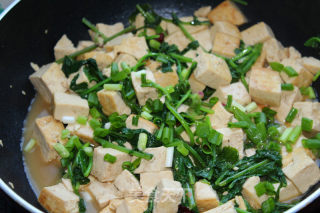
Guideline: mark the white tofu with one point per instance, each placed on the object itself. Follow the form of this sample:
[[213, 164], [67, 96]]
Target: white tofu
[[227, 11], [273, 49], [239, 200], [58, 199], [250, 152], [206, 197], [177, 38], [135, 46], [265, 86], [152, 65], [105, 171], [149, 180], [233, 137], [257, 33], [172, 28], [203, 11], [309, 110], [84, 132], [195, 85], [225, 44], [303, 171], [168, 196], [112, 207], [128, 59], [47, 132], [237, 90], [111, 101], [166, 79], [287, 193], [292, 53], [69, 105], [156, 164], [49, 80], [133, 205], [260, 62], [212, 70], [144, 93], [84, 43], [304, 77], [227, 207], [63, 47], [220, 117], [312, 64], [128, 184], [249, 192], [102, 58], [204, 38], [142, 124], [103, 193], [226, 28]]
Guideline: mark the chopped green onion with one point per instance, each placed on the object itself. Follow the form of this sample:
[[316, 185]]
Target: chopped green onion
[[285, 135], [146, 115], [166, 135], [65, 134], [239, 106], [288, 87], [154, 44], [145, 108], [290, 71], [183, 150], [82, 120], [312, 95], [142, 142], [308, 91], [306, 124], [295, 134], [159, 132], [94, 123], [239, 124], [291, 115], [94, 112], [250, 107], [315, 78], [62, 151], [311, 143], [135, 120], [229, 102], [110, 158], [317, 136], [101, 132], [75, 140], [31, 143], [207, 110], [268, 206], [88, 151], [276, 66], [260, 118], [115, 87], [288, 147]]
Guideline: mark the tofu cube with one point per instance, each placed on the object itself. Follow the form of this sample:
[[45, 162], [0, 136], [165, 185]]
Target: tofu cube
[[135, 46], [128, 184], [49, 80], [111, 101], [177, 38], [69, 105], [229, 12], [84, 43], [292, 53], [156, 164], [226, 28], [112, 207], [143, 93], [154, 66], [287, 193], [227, 207], [225, 44], [220, 117], [303, 171], [47, 132], [234, 138], [204, 38], [103, 193], [149, 180], [84, 132], [142, 124], [102, 58], [63, 47], [309, 110], [265, 86], [257, 33], [105, 171], [260, 62], [240, 201], [132, 205], [195, 85], [304, 77], [249, 192], [212, 70], [128, 59], [273, 49], [58, 199], [203, 11], [206, 197], [237, 90], [168, 196], [311, 64], [166, 79]]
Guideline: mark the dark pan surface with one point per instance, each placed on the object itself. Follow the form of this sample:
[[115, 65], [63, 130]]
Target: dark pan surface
[[22, 39]]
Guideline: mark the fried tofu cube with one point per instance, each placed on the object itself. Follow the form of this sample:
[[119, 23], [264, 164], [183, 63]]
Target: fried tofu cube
[[166, 79], [265, 86], [128, 184], [195, 85], [172, 28], [135, 46], [257, 33], [226, 28], [240, 201], [128, 59], [149, 180], [220, 117], [249, 192], [111, 101], [103, 193], [233, 137], [303, 171], [206, 197], [224, 44], [287, 193], [47, 132], [204, 38], [168, 196], [63, 47], [156, 164], [203, 11], [112, 207], [133, 205], [237, 90], [227, 11], [273, 49], [49, 80], [58, 199], [212, 70], [142, 124], [154, 66], [227, 207], [304, 77], [177, 38], [292, 53], [260, 62], [84, 44], [312, 64], [105, 171], [102, 58], [69, 105], [143, 93], [309, 110], [84, 132]]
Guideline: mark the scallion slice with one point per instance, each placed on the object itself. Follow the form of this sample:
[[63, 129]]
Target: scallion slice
[[306, 124], [82, 120], [31, 143], [291, 115], [142, 141], [110, 158], [285, 135], [290, 71], [115, 87], [288, 87], [295, 134], [62, 151]]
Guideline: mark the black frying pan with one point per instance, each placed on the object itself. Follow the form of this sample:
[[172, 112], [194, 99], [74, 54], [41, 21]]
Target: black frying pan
[[22, 39]]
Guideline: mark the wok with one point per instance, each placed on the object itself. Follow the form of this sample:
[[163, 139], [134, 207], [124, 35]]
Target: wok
[[23, 39]]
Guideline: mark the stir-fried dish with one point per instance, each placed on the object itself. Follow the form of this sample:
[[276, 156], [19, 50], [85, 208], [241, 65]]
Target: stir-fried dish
[[178, 114]]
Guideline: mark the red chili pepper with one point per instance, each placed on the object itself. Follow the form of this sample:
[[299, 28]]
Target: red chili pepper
[[161, 38]]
